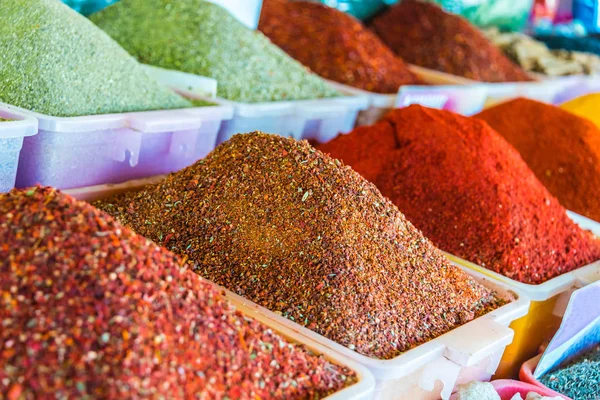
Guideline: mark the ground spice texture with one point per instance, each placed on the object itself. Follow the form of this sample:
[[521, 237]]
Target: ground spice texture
[[299, 233], [88, 309], [334, 45], [562, 149], [424, 34], [469, 191]]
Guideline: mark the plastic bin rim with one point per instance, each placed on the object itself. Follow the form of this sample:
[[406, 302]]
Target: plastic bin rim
[[23, 125], [91, 123]]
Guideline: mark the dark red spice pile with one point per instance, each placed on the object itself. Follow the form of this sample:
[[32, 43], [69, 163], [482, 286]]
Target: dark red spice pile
[[299, 233], [469, 191], [88, 309], [334, 45], [424, 34]]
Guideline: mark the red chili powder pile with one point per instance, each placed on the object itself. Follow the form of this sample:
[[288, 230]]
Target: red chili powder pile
[[424, 34], [334, 45], [88, 309], [562, 149], [469, 191], [297, 232]]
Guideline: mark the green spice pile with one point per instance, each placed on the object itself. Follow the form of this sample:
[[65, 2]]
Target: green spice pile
[[579, 379], [303, 235], [202, 38], [424, 34], [88, 309], [334, 45], [469, 191], [54, 61]]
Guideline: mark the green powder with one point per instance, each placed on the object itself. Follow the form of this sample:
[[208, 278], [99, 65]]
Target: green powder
[[54, 61], [579, 379], [201, 103], [4, 119], [199, 37]]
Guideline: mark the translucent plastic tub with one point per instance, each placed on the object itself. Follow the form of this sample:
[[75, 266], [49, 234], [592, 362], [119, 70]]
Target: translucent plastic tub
[[526, 375], [320, 120], [12, 134], [89, 150], [380, 104], [548, 303]]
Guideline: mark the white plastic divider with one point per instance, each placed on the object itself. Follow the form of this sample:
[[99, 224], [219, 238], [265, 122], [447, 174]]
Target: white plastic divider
[[88, 150], [564, 283], [12, 134]]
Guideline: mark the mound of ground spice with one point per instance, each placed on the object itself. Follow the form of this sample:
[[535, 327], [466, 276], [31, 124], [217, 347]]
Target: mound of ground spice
[[334, 45], [562, 149], [424, 34], [578, 379], [89, 309], [299, 233], [54, 61], [202, 38], [469, 191]]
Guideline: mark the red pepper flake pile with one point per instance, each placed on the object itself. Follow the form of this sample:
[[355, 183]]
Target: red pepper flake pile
[[88, 309], [299, 233], [334, 45], [469, 191], [562, 149], [424, 34]]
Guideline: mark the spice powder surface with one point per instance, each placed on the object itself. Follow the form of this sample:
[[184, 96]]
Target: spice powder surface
[[423, 34], [334, 45], [469, 191], [89, 309], [301, 234]]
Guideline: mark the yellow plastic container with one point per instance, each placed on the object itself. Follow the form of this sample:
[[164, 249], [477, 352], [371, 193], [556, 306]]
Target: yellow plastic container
[[548, 303]]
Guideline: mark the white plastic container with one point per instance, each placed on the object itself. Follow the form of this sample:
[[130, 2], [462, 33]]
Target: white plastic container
[[12, 134], [320, 120], [89, 150]]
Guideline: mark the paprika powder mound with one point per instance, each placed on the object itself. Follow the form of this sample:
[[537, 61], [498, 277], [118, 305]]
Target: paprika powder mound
[[424, 34], [334, 45], [295, 231], [562, 149], [89, 309], [469, 191]]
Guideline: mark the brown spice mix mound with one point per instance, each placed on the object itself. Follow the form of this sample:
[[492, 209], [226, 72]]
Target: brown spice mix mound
[[469, 191], [88, 309], [424, 34], [562, 149], [334, 45], [299, 233]]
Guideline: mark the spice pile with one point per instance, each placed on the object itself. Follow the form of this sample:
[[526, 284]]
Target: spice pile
[[579, 379], [299, 233], [469, 192], [65, 66], [334, 45], [585, 106], [423, 34], [88, 309], [562, 149], [534, 56], [202, 38]]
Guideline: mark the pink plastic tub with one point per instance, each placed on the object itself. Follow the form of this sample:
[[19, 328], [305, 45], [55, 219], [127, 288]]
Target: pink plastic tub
[[526, 375]]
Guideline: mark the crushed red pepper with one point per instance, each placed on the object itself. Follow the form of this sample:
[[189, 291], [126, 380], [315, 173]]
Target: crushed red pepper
[[469, 191], [334, 45], [562, 149], [88, 309], [299, 233], [424, 34]]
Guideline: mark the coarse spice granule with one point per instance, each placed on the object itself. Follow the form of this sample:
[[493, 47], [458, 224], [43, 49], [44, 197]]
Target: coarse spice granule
[[202, 38], [424, 34], [334, 45], [56, 62], [469, 191], [297, 232], [89, 309], [579, 379], [561, 148]]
